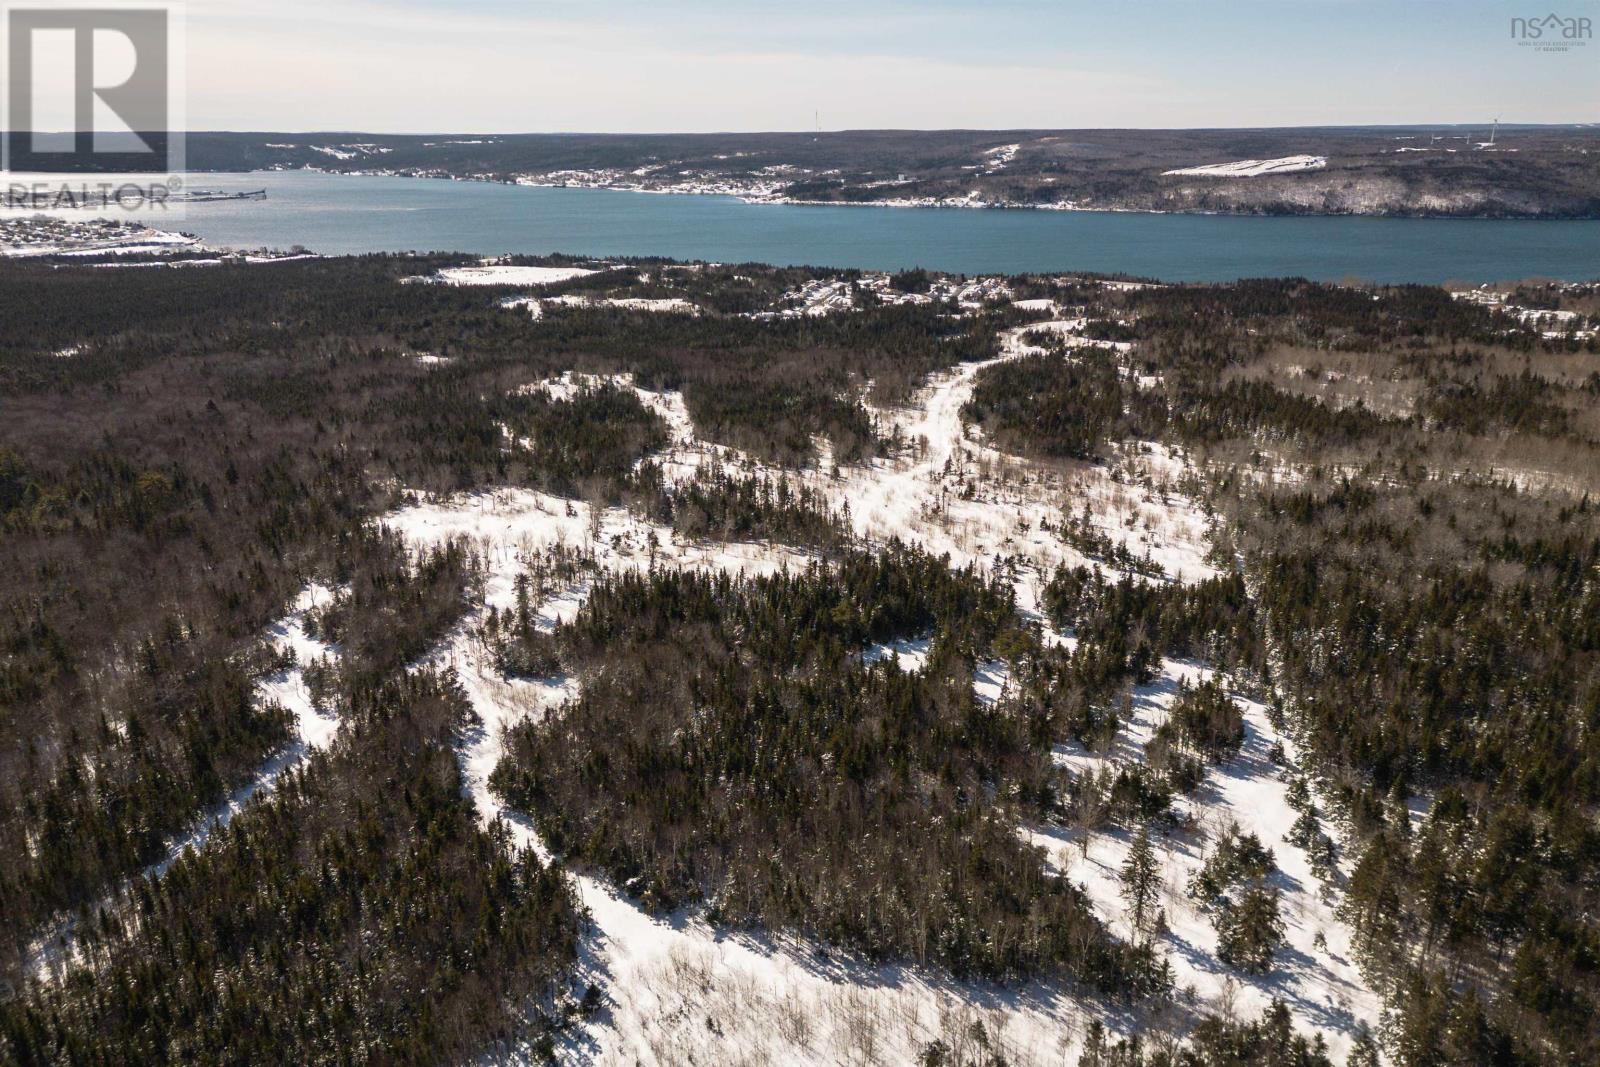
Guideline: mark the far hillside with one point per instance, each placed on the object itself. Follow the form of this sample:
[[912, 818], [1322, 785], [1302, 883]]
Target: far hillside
[[1485, 172]]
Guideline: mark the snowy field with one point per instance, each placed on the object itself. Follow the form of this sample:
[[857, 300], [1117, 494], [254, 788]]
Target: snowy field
[[500, 274], [1253, 168]]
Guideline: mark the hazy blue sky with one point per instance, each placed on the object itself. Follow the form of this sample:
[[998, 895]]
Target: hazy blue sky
[[496, 65]]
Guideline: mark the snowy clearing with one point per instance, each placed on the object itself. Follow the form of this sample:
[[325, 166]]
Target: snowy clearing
[[1252, 168], [999, 158], [503, 275], [667, 305]]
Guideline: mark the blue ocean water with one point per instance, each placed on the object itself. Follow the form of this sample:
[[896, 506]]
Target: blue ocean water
[[350, 214]]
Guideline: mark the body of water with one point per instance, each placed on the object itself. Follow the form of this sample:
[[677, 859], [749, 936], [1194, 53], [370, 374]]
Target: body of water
[[337, 214]]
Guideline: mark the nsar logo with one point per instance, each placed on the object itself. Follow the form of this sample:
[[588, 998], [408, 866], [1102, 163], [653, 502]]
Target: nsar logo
[[1552, 33]]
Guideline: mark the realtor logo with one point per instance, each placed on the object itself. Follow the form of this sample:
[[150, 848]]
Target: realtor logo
[[90, 90], [1552, 32]]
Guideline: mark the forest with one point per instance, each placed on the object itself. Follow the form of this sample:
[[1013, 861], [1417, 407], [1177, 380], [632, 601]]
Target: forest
[[1430, 625], [1398, 491]]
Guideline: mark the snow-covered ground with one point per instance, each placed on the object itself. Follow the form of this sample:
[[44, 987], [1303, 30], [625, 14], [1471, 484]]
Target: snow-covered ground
[[908, 653], [676, 989], [501, 274], [1001, 157], [1316, 975], [535, 305], [1253, 168], [953, 494], [1042, 303], [829, 296]]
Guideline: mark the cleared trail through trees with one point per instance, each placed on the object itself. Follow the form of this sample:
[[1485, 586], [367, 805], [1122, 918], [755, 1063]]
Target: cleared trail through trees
[[314, 730], [944, 491], [676, 987]]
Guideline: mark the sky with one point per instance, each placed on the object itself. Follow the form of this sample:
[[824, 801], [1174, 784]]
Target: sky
[[499, 66]]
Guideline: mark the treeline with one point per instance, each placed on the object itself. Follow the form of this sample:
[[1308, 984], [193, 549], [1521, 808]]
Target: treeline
[[1441, 639], [1520, 404], [1067, 403], [720, 505], [1220, 318], [590, 440], [722, 288], [730, 747], [1201, 343], [1211, 620]]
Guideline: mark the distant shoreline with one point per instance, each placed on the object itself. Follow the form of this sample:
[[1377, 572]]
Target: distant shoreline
[[1504, 173], [935, 204]]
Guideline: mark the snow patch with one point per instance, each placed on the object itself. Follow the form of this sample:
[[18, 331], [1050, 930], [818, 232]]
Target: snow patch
[[498, 274], [909, 653], [668, 305], [1253, 168]]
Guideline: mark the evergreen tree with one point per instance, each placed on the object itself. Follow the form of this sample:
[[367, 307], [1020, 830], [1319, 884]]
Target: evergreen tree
[[1141, 881], [1250, 931], [1363, 1051]]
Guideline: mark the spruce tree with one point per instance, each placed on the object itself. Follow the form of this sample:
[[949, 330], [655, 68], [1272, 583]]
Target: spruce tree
[[1141, 881], [1363, 1051], [1250, 930]]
